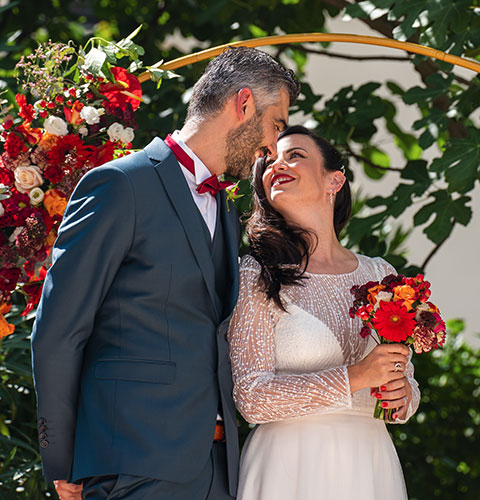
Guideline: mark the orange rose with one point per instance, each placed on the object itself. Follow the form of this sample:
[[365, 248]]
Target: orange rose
[[373, 293], [405, 293], [5, 327], [55, 202]]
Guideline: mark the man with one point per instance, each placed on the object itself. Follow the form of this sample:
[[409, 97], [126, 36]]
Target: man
[[129, 352]]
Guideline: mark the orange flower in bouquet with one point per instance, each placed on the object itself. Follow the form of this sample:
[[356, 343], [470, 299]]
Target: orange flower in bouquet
[[398, 310]]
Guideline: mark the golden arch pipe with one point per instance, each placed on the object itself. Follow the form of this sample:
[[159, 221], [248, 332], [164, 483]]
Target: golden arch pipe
[[318, 37]]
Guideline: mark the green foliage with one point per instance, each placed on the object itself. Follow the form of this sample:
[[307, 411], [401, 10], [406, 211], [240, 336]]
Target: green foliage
[[20, 470], [447, 129], [439, 446]]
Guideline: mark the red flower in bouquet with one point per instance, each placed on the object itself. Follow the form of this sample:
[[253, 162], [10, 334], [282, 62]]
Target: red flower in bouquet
[[397, 308], [393, 322], [69, 151], [126, 89], [74, 112]]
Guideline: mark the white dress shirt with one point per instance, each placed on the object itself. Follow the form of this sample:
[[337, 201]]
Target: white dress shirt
[[206, 203]]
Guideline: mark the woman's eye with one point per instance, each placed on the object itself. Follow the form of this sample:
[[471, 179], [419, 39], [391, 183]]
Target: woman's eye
[[296, 154]]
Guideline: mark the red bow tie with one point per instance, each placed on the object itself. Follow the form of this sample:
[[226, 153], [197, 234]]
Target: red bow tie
[[210, 185]]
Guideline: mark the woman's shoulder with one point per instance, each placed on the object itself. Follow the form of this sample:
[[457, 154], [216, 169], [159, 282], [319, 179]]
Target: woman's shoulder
[[249, 263], [376, 264]]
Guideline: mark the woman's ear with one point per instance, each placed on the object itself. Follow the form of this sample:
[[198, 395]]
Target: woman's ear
[[338, 180]]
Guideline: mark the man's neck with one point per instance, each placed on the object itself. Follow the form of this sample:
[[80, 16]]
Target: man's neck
[[207, 141]]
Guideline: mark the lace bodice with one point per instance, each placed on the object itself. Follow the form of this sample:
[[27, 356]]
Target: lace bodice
[[290, 364]]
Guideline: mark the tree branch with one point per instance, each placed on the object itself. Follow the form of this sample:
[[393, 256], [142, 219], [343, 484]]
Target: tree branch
[[345, 56], [369, 162], [435, 250]]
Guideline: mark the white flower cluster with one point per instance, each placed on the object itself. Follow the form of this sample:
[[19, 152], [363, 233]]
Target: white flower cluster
[[117, 132], [55, 125], [91, 115]]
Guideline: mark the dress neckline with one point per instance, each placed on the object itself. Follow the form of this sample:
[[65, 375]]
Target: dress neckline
[[357, 256]]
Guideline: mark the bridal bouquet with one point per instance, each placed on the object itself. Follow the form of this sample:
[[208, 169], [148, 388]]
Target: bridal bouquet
[[398, 309], [80, 114]]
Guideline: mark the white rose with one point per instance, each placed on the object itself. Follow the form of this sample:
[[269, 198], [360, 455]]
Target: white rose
[[385, 296], [27, 178], [127, 135], [83, 131], [36, 196], [115, 131], [56, 126], [91, 115]]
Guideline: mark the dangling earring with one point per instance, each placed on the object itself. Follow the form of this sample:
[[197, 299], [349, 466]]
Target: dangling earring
[[331, 196]]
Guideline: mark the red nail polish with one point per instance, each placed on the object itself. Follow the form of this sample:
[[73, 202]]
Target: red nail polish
[[384, 404], [378, 395], [395, 416], [383, 388]]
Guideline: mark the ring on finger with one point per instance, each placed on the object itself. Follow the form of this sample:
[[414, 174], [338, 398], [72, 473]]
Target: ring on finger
[[397, 366]]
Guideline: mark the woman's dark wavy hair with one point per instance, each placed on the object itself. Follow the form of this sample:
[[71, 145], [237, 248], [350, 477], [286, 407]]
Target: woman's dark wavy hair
[[283, 249]]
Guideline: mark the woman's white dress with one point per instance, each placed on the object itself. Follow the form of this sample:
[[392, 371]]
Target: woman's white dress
[[315, 440]]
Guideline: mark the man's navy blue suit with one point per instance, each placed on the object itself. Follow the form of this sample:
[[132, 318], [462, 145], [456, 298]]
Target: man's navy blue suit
[[129, 351]]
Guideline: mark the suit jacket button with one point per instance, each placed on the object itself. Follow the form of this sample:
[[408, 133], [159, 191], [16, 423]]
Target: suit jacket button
[[42, 428], [42, 421], [43, 443], [42, 436]]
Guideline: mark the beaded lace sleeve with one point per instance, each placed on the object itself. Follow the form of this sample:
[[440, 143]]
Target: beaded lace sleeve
[[386, 269], [261, 393]]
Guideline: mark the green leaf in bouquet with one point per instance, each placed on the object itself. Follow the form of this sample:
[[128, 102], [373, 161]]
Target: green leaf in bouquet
[[135, 66], [94, 61], [157, 75], [111, 50]]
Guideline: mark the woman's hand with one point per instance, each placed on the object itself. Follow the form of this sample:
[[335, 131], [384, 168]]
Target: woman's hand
[[384, 364], [395, 395], [68, 491]]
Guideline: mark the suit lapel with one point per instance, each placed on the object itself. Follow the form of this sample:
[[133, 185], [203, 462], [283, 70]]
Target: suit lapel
[[231, 232], [179, 194]]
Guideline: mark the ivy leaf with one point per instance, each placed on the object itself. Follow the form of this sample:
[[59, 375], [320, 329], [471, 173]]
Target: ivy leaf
[[378, 157], [460, 161], [437, 86], [417, 171], [447, 211]]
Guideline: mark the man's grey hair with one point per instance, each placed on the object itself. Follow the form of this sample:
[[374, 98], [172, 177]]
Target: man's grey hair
[[235, 69]]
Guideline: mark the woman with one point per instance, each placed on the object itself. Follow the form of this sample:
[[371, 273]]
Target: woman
[[300, 367]]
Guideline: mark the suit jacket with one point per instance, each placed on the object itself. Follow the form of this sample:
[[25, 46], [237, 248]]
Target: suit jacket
[[130, 357]]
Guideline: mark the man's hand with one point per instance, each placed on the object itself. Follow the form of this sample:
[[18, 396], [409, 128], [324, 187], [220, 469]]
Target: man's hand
[[68, 491]]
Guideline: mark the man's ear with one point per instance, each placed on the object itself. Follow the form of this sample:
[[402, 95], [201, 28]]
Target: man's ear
[[244, 104]]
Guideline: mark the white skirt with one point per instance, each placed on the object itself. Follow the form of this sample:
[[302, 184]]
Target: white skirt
[[337, 456]]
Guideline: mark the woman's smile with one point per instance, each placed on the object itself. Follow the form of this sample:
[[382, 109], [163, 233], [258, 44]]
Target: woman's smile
[[279, 179]]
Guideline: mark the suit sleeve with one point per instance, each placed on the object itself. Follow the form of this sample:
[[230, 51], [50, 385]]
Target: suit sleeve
[[94, 237]]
